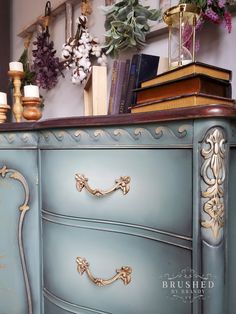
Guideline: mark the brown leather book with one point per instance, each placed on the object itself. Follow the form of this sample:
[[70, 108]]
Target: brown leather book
[[188, 100], [188, 69], [195, 83]]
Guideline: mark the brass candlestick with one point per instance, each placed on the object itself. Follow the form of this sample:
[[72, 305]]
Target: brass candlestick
[[32, 108], [17, 106], [3, 112]]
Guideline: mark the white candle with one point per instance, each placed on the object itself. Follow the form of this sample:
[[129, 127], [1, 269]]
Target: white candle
[[16, 66], [31, 91], [3, 98]]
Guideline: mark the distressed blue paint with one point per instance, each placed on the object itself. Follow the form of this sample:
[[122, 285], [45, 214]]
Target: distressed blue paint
[[177, 133], [106, 252], [12, 289], [154, 228], [163, 190]]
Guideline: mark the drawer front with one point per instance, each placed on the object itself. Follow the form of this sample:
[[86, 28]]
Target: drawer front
[[50, 308], [106, 252], [160, 188]]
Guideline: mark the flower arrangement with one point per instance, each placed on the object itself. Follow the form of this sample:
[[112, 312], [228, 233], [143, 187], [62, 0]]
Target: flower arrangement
[[46, 65], [78, 52], [215, 11], [127, 25]]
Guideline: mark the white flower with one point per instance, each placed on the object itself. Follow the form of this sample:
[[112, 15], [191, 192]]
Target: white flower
[[96, 50], [85, 63], [75, 79], [102, 60], [65, 54], [82, 75], [78, 76], [81, 52], [85, 38], [67, 47]]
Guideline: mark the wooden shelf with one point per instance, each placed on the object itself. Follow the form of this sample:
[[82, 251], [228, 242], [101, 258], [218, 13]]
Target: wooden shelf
[[59, 9], [201, 112]]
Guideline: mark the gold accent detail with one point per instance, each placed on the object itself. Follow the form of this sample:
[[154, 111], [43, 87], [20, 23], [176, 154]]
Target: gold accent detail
[[122, 183], [190, 11], [17, 176], [213, 174], [124, 273]]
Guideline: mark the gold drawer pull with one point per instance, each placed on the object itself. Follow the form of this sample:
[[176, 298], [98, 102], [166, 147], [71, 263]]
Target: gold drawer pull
[[122, 183], [124, 273]]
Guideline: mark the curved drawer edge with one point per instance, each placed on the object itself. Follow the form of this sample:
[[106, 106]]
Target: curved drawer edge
[[124, 228], [70, 307]]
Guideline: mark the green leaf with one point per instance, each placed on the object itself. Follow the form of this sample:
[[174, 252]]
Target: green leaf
[[110, 49], [127, 25]]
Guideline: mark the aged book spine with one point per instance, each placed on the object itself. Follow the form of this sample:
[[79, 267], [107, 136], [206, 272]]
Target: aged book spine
[[143, 67], [131, 83], [118, 87], [113, 84], [191, 84], [124, 87]]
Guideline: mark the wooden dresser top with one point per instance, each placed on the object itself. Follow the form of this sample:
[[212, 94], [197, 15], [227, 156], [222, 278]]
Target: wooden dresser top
[[212, 111]]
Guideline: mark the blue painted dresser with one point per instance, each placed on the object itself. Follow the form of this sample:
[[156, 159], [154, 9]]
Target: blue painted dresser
[[131, 214]]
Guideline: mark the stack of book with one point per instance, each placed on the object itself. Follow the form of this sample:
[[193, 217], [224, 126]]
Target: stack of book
[[128, 75], [194, 84]]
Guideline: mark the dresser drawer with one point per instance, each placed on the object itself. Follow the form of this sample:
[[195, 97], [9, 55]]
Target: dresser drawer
[[160, 194], [107, 251]]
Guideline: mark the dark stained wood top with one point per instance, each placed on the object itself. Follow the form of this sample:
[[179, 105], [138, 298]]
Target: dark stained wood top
[[212, 111]]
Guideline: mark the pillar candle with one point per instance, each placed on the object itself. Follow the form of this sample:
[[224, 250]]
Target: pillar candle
[[31, 91], [3, 98], [16, 66]]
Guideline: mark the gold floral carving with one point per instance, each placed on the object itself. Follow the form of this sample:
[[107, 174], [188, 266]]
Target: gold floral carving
[[17, 176], [122, 183], [213, 174], [124, 273], [23, 209]]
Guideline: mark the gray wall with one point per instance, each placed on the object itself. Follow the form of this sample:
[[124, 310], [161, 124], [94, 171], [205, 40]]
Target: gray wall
[[4, 47], [217, 48]]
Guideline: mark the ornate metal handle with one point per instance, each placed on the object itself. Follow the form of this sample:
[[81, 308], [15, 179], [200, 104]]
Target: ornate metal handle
[[124, 273], [122, 183]]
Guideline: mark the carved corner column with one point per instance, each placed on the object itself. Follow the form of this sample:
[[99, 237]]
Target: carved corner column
[[213, 202]]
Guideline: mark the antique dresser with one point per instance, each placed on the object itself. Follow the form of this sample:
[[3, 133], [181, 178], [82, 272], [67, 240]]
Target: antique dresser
[[129, 214]]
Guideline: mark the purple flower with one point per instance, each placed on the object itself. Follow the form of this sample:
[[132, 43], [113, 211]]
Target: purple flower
[[221, 4], [211, 15], [228, 21]]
